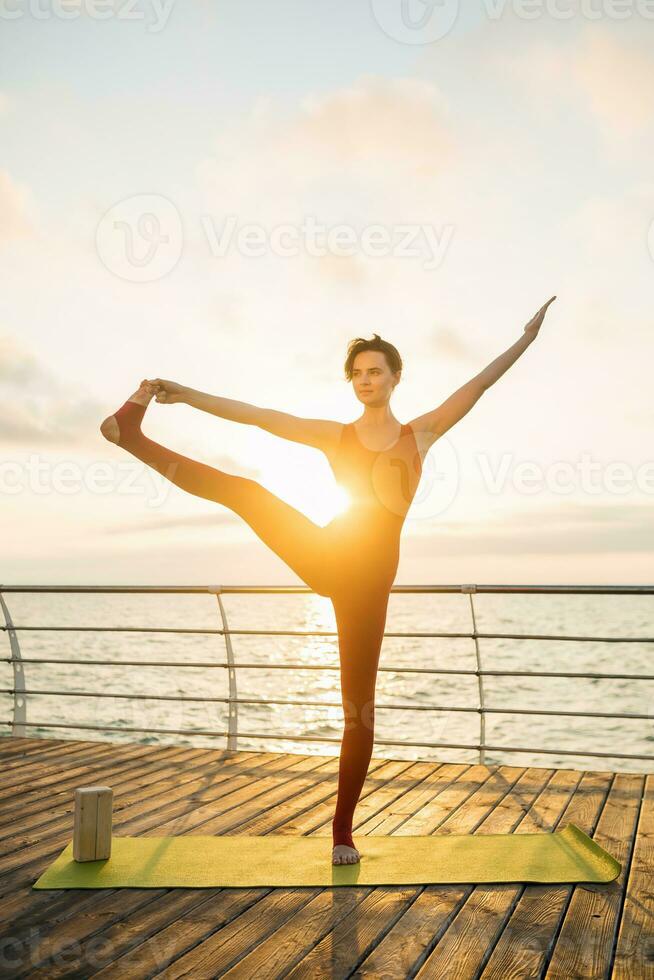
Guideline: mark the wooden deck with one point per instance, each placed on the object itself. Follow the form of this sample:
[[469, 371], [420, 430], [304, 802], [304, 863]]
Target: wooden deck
[[452, 931]]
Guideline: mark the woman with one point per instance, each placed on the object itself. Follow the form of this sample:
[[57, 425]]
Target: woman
[[354, 558]]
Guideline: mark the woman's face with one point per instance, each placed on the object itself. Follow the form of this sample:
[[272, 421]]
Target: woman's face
[[372, 378]]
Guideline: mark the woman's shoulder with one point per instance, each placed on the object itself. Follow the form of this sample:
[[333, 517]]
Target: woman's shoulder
[[339, 436]]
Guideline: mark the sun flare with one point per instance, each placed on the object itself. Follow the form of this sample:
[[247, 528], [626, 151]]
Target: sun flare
[[342, 499], [323, 503], [315, 493]]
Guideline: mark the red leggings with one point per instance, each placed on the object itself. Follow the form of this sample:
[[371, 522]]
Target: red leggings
[[357, 578]]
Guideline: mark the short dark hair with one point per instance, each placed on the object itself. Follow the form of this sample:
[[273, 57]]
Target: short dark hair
[[359, 344]]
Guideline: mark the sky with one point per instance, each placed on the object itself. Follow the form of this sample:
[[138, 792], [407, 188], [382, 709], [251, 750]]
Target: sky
[[226, 194]]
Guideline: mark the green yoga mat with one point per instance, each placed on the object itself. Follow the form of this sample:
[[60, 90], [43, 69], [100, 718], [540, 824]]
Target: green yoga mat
[[568, 855]]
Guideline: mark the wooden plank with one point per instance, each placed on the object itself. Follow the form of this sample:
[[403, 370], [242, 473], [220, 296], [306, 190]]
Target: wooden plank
[[46, 773], [442, 917], [16, 775], [87, 749], [584, 945], [634, 955], [256, 947], [536, 912], [340, 943], [25, 759], [113, 907], [11, 747], [189, 929], [333, 763], [32, 859], [63, 774], [127, 779], [23, 906], [42, 810], [272, 944], [75, 901], [314, 932], [123, 769], [30, 863], [48, 816]]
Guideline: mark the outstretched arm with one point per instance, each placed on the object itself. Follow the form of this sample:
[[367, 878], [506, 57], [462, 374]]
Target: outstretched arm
[[442, 418], [319, 433]]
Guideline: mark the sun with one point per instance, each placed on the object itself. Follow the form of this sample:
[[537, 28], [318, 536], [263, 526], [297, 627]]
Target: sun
[[322, 501], [342, 500], [311, 489]]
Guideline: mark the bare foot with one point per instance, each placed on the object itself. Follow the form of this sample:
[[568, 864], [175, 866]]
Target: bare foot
[[344, 854], [109, 428]]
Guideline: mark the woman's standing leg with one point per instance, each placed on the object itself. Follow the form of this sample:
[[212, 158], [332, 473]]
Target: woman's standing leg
[[289, 533], [360, 618]]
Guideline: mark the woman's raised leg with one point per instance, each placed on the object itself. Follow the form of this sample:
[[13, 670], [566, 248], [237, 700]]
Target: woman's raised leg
[[295, 538], [360, 618]]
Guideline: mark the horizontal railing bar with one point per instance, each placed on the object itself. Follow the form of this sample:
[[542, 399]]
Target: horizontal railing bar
[[329, 704], [115, 629], [282, 589], [270, 666], [243, 632], [328, 738]]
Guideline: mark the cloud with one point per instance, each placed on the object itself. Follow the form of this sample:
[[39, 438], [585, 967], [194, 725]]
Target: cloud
[[604, 77], [197, 520], [39, 412], [397, 123], [46, 421], [447, 342], [367, 153], [572, 528], [37, 409], [616, 77], [361, 137], [342, 270], [17, 365], [17, 208]]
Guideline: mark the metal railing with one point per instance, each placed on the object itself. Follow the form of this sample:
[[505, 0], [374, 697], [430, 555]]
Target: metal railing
[[19, 722]]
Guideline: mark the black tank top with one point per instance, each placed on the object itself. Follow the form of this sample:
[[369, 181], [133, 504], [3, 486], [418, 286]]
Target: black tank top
[[378, 482]]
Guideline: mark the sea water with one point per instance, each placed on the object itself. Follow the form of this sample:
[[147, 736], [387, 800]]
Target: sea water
[[271, 666]]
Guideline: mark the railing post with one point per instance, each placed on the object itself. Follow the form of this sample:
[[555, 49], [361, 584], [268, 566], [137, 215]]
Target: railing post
[[20, 698], [470, 589], [232, 721]]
